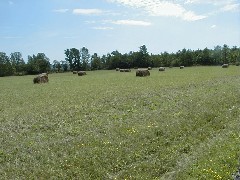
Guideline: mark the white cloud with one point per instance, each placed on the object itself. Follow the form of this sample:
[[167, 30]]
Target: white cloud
[[213, 26], [131, 22], [212, 2], [190, 1], [87, 11], [60, 10], [90, 22], [103, 28], [190, 16], [231, 7], [161, 8]]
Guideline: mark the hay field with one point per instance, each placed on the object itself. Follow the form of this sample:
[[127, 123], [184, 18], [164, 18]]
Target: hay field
[[176, 124]]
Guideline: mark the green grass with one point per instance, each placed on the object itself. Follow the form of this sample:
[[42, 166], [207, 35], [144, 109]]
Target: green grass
[[177, 124]]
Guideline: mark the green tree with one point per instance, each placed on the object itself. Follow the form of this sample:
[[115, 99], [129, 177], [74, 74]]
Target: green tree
[[225, 54], [234, 55], [69, 58], [96, 63], [104, 60], [115, 60], [64, 65], [73, 58], [17, 62], [142, 59], [75, 54], [6, 68], [38, 64], [56, 65], [84, 55], [217, 55]]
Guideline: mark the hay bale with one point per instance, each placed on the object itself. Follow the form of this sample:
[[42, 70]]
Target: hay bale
[[117, 69], [75, 72], [181, 67], [44, 74], [225, 66], [41, 78], [36, 80], [162, 69], [125, 70], [142, 72], [82, 73], [149, 68]]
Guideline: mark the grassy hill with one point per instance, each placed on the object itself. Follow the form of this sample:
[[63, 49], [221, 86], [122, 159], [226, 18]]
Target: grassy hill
[[176, 124]]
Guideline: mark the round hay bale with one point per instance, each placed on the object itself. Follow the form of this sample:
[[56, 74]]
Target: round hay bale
[[162, 69], [181, 67], [41, 78], [149, 68], [127, 70], [117, 69], [75, 72], [82, 73], [142, 72], [36, 80], [44, 74], [225, 66]]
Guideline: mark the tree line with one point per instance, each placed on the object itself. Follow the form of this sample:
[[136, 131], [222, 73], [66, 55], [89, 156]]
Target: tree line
[[80, 59]]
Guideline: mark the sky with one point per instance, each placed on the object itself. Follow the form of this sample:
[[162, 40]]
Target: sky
[[103, 26]]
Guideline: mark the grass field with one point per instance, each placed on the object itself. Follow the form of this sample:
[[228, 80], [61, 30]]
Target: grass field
[[177, 124]]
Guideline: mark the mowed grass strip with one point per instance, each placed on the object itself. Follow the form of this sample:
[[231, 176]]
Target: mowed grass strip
[[176, 124]]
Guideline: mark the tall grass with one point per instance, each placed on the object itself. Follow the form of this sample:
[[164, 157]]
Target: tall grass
[[177, 124]]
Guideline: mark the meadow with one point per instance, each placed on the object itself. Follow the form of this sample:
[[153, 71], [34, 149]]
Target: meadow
[[176, 124]]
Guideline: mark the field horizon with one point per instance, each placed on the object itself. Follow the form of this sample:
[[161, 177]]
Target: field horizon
[[175, 124]]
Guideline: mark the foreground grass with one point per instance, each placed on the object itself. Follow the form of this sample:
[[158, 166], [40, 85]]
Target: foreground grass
[[177, 124]]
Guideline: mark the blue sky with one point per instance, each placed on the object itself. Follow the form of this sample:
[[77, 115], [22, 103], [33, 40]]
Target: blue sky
[[52, 26]]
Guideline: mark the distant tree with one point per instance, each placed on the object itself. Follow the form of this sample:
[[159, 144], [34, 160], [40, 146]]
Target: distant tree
[[126, 62], [96, 63], [156, 59], [75, 54], [64, 65], [56, 65], [85, 56], [165, 59], [216, 55], [17, 62], [104, 61], [69, 58], [38, 64], [225, 54], [142, 58], [115, 59], [77, 59], [6, 68], [233, 55], [206, 54]]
